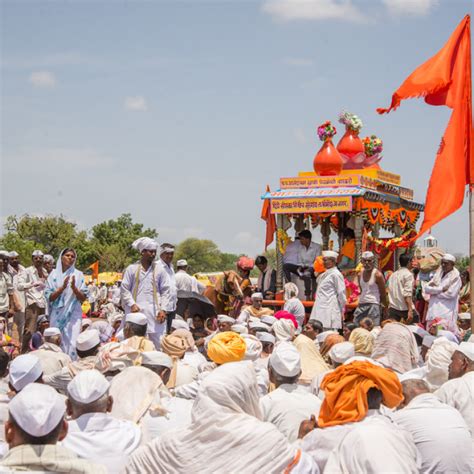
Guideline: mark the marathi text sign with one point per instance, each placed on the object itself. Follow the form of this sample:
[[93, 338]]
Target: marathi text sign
[[311, 205], [318, 181]]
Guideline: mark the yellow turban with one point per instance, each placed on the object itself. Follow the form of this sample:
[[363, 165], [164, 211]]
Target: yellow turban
[[226, 347]]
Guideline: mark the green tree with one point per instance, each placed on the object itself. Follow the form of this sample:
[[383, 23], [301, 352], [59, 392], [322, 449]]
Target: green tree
[[111, 242], [51, 234]]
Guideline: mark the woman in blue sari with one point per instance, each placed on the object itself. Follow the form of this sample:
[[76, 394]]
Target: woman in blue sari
[[65, 292]]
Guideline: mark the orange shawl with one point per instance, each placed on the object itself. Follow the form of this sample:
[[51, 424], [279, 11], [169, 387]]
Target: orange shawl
[[346, 392]]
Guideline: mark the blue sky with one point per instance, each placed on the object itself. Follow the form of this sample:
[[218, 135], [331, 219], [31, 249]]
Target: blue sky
[[181, 112]]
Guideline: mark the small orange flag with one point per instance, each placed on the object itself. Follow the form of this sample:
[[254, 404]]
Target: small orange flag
[[269, 218], [445, 79], [95, 270]]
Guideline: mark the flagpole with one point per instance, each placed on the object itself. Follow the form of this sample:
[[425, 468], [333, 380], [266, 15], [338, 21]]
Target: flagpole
[[471, 251]]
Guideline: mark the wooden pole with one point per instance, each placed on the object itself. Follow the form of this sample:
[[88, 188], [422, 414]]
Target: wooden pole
[[471, 252], [279, 256]]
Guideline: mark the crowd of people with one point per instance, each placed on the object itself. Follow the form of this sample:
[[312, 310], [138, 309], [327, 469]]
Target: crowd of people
[[135, 387]]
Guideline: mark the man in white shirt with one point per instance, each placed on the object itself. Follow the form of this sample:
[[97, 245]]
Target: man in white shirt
[[266, 283], [94, 434], [50, 354], [291, 259], [439, 431], [458, 391], [444, 289], [290, 404], [143, 285], [15, 269], [184, 281], [169, 297], [330, 300], [33, 281], [93, 295], [400, 291], [6, 290], [308, 252]]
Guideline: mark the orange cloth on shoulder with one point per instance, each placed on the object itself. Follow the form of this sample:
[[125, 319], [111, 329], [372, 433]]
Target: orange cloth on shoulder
[[346, 392]]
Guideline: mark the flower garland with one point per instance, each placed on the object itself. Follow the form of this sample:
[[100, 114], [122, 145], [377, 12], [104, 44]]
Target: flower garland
[[351, 121], [282, 240], [405, 240], [353, 291], [326, 131], [373, 145]]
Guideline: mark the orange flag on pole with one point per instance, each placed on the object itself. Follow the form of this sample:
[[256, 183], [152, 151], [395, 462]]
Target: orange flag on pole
[[269, 218], [445, 79], [95, 270]]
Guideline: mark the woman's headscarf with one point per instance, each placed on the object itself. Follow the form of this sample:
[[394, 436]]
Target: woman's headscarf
[[346, 390], [363, 341], [282, 314], [290, 291], [329, 342], [312, 363]]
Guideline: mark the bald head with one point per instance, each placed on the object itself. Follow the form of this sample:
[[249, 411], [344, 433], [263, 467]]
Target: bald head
[[412, 388]]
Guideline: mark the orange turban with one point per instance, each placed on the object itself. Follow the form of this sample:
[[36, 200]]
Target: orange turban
[[225, 347], [346, 392]]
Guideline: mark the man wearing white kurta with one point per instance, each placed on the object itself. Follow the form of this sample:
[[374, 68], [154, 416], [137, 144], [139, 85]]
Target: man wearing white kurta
[[439, 431], [330, 299], [290, 404], [93, 433], [458, 391], [169, 295], [142, 287], [50, 354], [444, 290], [15, 269], [185, 281]]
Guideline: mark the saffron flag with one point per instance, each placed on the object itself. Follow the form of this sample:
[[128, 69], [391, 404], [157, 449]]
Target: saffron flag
[[269, 218], [95, 270], [445, 79]]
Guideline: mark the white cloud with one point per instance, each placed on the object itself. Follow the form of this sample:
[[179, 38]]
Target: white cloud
[[298, 61], [43, 79], [410, 7], [136, 103], [288, 10]]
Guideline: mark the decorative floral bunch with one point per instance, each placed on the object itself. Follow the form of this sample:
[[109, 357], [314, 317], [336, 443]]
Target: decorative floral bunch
[[326, 130], [373, 145], [353, 291], [351, 121]]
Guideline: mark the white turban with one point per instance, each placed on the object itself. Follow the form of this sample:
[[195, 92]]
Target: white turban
[[467, 349], [341, 351], [290, 291], [144, 243], [166, 248], [179, 324], [13, 254], [447, 257], [438, 359], [253, 347], [37, 253], [257, 296], [330, 254], [223, 318], [285, 360], [48, 258], [284, 330]]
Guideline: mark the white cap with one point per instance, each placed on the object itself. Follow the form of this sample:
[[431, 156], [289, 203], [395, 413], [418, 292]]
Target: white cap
[[136, 318], [87, 340], [166, 248], [360, 358], [253, 347], [367, 255], [157, 358], [37, 253], [285, 360], [13, 254], [87, 386], [464, 316], [257, 296], [265, 337], [428, 340], [239, 328], [417, 330], [330, 254], [48, 332], [270, 320], [37, 409], [182, 263], [321, 337], [223, 318], [179, 324], [467, 348], [259, 325], [4, 253], [24, 369], [86, 322], [341, 351], [144, 243], [48, 258], [447, 257]]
